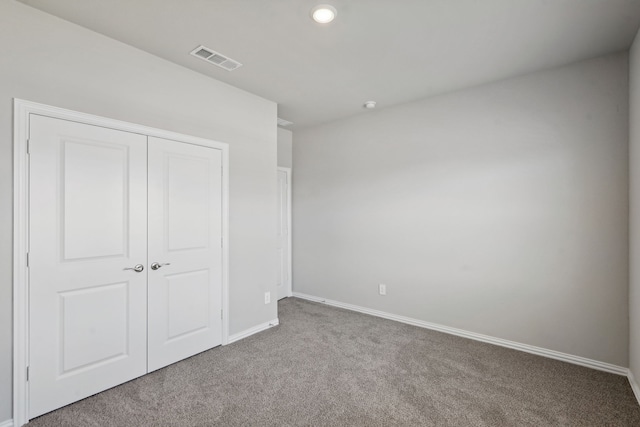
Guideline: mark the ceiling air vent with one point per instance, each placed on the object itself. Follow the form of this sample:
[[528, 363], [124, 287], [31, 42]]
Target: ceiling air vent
[[215, 58], [283, 122]]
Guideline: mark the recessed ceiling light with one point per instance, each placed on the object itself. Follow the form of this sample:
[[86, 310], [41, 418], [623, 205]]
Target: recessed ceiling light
[[323, 13], [370, 104]]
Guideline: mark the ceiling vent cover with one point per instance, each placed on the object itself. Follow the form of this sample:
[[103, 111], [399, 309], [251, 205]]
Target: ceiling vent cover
[[215, 58], [283, 122]]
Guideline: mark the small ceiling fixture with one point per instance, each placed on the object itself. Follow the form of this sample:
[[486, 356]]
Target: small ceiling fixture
[[370, 105], [215, 58], [283, 122], [323, 13]]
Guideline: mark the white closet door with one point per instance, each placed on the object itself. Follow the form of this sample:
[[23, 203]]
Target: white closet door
[[185, 237], [283, 284], [88, 216]]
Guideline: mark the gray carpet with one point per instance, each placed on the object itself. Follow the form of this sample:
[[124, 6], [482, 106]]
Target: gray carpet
[[325, 366]]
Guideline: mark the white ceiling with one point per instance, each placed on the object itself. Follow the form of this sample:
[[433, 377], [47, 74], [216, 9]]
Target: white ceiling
[[390, 51]]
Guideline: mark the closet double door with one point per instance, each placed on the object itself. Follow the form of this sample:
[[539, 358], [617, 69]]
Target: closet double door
[[125, 258]]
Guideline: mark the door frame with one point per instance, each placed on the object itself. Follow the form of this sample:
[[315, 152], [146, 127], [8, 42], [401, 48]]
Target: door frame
[[289, 289], [22, 110]]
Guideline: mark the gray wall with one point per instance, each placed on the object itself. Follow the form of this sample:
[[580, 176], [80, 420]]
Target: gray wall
[[285, 148], [47, 60], [501, 209], [634, 190]]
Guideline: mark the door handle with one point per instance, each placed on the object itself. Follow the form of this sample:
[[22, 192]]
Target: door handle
[[138, 268], [157, 265]]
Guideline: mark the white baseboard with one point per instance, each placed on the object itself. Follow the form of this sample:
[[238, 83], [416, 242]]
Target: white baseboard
[[8, 423], [634, 385], [248, 332], [552, 354]]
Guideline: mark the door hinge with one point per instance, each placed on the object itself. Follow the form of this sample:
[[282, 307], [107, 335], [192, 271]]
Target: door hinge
[[27, 373], [27, 259], [220, 314], [28, 146]]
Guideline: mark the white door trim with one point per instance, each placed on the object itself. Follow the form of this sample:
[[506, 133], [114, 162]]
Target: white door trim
[[21, 113], [287, 171]]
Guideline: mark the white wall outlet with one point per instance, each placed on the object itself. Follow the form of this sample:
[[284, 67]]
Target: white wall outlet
[[382, 289], [267, 297]]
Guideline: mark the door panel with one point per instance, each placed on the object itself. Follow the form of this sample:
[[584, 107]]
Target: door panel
[[102, 333], [88, 216], [188, 303], [185, 232], [187, 201], [95, 186]]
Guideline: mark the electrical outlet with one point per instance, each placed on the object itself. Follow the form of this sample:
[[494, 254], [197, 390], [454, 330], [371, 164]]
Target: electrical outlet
[[267, 297], [382, 289]]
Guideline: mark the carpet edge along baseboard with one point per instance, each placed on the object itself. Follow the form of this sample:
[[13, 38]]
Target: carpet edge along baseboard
[[634, 385], [254, 330], [540, 351]]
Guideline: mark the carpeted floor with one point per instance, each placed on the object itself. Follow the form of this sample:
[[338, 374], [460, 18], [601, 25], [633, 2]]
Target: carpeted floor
[[325, 366]]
